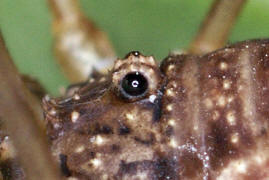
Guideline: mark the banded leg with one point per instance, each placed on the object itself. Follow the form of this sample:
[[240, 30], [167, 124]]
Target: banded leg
[[80, 46]]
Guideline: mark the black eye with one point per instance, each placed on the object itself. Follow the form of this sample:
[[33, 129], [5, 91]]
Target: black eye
[[134, 85], [133, 53]]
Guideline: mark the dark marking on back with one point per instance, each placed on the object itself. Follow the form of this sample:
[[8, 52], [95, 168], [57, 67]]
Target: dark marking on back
[[10, 170], [147, 141], [157, 109], [124, 130], [63, 165], [103, 129], [165, 168], [115, 148]]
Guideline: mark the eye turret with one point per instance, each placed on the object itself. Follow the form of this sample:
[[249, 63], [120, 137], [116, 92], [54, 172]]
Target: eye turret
[[136, 76]]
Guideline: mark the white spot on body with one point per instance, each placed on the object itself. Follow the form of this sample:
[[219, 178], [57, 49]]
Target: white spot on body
[[221, 101], [172, 122], [47, 97], [215, 115], [76, 97], [169, 59], [230, 99], [52, 112], [72, 178], [235, 138], [193, 149], [241, 167], [130, 116], [170, 92], [80, 149], [96, 162], [152, 98], [169, 107], [171, 67], [173, 143], [227, 84], [259, 159], [92, 139], [74, 116], [99, 140], [231, 118], [208, 103], [223, 66], [61, 133], [174, 84], [104, 177], [56, 125]]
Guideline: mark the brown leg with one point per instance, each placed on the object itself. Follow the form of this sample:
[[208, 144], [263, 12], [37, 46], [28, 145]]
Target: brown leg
[[20, 118], [215, 29], [79, 45]]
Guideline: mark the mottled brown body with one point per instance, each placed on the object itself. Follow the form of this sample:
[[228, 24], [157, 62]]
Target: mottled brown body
[[202, 117]]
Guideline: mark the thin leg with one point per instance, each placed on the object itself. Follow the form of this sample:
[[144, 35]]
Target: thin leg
[[213, 33], [20, 118], [80, 47]]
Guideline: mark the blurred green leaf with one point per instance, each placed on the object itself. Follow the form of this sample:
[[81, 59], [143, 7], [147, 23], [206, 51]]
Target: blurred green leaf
[[154, 27]]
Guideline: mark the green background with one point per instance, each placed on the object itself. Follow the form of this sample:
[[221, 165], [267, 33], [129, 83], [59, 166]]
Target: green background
[[154, 27]]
